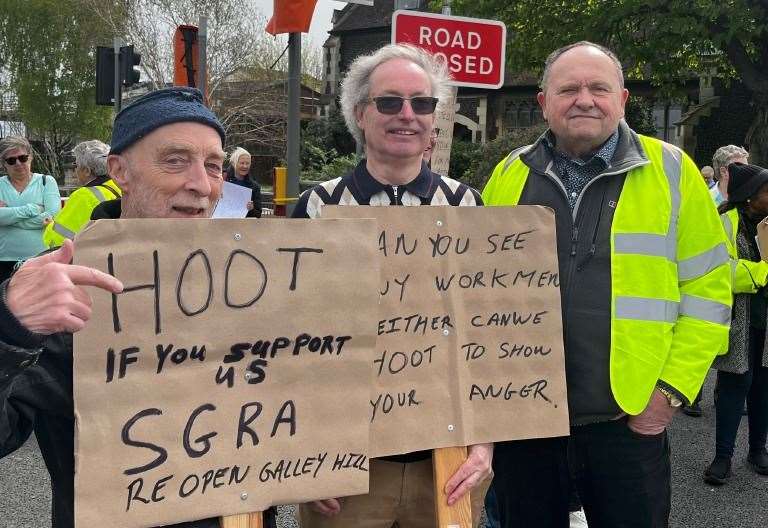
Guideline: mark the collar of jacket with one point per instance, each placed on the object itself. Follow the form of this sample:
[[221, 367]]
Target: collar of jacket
[[367, 185], [629, 153], [109, 210]]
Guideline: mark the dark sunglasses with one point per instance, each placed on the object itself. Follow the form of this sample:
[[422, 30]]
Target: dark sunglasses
[[23, 158], [392, 104]]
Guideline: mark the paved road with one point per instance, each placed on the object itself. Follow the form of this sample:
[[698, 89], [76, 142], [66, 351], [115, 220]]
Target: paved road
[[743, 503]]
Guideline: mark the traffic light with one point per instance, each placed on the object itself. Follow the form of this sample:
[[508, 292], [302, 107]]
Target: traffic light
[[105, 76], [128, 61]]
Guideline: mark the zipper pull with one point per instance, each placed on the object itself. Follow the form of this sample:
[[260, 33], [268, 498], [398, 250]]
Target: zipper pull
[[574, 240], [394, 189]]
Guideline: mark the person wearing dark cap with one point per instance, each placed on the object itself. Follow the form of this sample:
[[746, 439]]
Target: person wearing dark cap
[[742, 372], [167, 157]]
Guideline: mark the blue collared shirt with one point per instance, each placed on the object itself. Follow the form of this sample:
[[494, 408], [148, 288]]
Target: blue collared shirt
[[576, 173]]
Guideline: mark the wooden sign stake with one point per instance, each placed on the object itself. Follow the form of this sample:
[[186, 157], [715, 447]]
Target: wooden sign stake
[[445, 462], [244, 520]]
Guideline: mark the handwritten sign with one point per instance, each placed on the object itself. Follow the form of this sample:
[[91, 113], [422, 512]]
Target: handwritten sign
[[232, 373], [469, 345]]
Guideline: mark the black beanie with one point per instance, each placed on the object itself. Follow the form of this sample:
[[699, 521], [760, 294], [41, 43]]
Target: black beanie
[[159, 108], [744, 181]]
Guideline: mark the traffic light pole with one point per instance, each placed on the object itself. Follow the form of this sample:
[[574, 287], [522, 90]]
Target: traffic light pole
[[118, 80], [294, 131]]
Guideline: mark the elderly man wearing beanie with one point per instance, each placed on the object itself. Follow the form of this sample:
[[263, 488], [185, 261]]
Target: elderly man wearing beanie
[[742, 373], [167, 157]]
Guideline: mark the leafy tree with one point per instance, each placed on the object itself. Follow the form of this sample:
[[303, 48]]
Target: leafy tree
[[639, 115], [663, 41], [47, 60]]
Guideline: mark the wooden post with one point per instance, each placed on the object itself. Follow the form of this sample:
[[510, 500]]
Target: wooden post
[[445, 462], [244, 520]]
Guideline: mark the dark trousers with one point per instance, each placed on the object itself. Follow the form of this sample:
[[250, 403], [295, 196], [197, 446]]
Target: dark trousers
[[622, 478], [732, 390]]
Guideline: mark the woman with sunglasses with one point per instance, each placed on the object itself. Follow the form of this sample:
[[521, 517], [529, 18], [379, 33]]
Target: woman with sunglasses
[[28, 202]]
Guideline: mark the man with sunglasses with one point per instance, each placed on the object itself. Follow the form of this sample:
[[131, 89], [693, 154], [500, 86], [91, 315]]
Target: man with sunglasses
[[388, 100], [645, 284], [28, 201]]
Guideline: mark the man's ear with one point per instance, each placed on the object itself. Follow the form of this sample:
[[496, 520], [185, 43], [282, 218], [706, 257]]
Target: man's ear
[[542, 100], [117, 168]]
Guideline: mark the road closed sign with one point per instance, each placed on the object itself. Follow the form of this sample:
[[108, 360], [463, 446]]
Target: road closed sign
[[473, 48]]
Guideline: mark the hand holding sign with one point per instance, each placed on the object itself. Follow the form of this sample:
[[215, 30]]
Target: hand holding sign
[[47, 296], [472, 472]]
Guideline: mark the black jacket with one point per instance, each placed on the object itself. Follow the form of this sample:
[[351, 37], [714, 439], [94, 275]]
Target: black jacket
[[255, 191], [36, 395]]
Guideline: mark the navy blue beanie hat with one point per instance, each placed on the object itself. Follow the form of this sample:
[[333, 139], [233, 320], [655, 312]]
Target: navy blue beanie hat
[[159, 108]]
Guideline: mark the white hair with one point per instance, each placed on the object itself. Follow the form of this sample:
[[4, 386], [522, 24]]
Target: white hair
[[356, 86], [724, 155], [92, 155]]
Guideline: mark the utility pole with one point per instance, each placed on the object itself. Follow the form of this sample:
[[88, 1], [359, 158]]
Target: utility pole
[[117, 44], [294, 116]]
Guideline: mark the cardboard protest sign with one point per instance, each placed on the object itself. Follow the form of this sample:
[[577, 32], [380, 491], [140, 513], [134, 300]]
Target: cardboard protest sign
[[762, 239], [469, 345], [232, 373]]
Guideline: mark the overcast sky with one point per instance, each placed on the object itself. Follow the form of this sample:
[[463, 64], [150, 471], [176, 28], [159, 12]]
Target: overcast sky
[[321, 21]]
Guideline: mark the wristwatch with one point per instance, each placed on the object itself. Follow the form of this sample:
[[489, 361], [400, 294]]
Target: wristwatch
[[672, 398]]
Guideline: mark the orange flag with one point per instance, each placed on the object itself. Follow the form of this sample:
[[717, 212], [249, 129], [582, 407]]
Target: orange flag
[[291, 16]]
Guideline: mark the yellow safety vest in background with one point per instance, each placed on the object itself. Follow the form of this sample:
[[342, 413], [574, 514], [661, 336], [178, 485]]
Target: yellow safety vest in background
[[670, 274], [77, 211]]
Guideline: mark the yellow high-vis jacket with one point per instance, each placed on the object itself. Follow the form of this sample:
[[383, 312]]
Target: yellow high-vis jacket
[[670, 272], [77, 211]]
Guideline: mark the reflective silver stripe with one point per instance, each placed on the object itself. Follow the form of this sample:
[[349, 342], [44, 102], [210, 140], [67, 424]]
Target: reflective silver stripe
[[98, 194], [702, 263], [734, 265], [645, 309], [728, 226], [672, 159], [63, 231], [704, 309], [641, 244], [514, 155], [651, 244]]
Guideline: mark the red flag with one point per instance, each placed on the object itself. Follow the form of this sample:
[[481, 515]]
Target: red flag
[[291, 16]]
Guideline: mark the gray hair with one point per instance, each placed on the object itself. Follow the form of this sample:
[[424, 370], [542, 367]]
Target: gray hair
[[724, 155], [92, 155], [356, 86], [236, 154], [560, 51], [14, 142]]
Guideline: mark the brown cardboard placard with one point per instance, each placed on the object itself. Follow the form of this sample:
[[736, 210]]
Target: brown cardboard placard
[[469, 346], [762, 239], [231, 374]]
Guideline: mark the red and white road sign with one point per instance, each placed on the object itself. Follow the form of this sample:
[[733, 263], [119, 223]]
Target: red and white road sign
[[473, 48]]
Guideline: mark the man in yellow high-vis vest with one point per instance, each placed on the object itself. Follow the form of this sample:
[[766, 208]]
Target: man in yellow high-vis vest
[[97, 187], [645, 285]]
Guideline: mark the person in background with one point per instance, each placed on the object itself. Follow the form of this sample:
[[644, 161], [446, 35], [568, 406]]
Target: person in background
[[239, 173], [28, 202], [97, 187], [742, 373], [722, 158], [708, 173]]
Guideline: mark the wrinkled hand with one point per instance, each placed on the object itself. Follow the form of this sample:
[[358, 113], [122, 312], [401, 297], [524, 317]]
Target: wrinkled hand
[[475, 469], [327, 507], [656, 416], [47, 296], [249, 206]]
